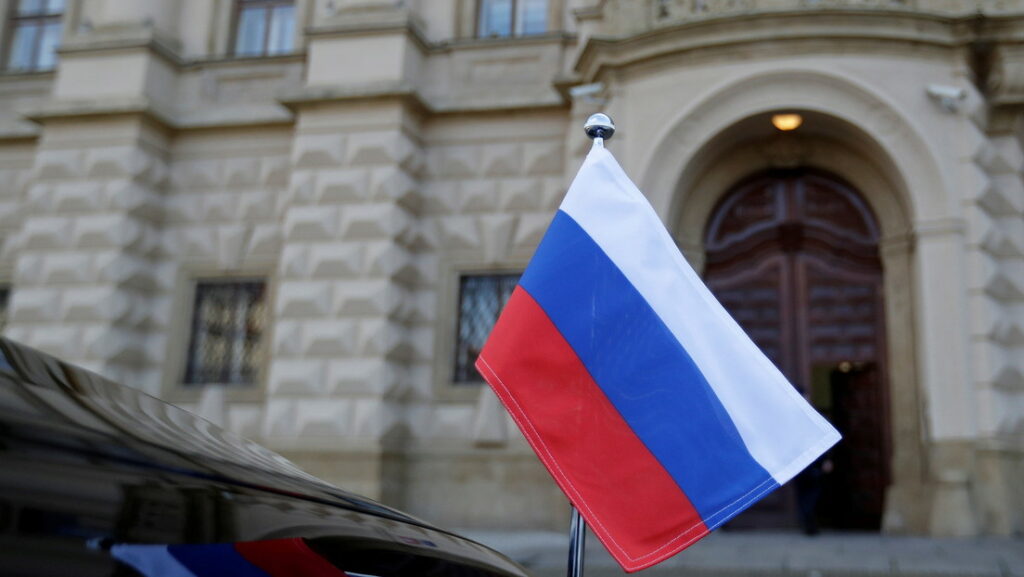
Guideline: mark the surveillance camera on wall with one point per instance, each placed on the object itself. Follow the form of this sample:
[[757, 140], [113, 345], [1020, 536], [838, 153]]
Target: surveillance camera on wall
[[948, 97]]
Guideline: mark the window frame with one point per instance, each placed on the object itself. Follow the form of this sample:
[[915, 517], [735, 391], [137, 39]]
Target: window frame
[[193, 333], [446, 325], [456, 345], [268, 6], [550, 23], [174, 388], [11, 24]]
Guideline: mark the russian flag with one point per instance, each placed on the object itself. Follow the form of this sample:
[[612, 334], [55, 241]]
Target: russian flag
[[652, 409], [270, 558]]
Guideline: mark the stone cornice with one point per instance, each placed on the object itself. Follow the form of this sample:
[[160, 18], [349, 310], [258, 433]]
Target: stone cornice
[[906, 28]]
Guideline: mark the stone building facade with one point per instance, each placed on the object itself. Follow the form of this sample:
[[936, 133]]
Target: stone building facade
[[357, 161]]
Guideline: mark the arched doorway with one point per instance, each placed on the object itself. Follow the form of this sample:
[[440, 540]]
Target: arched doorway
[[793, 255]]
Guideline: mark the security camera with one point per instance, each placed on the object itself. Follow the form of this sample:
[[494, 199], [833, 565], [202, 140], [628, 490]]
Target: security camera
[[948, 97], [587, 92]]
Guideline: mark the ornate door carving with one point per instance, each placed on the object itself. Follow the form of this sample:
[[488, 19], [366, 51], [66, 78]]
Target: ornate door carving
[[794, 257]]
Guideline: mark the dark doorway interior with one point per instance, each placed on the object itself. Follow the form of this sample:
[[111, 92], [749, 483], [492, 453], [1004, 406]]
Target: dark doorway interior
[[793, 256]]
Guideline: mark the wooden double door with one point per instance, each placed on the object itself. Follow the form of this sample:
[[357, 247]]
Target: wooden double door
[[794, 258]]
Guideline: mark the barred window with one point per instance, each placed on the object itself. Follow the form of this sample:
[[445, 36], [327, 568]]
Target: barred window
[[34, 28], [264, 27], [228, 321], [500, 18], [481, 298]]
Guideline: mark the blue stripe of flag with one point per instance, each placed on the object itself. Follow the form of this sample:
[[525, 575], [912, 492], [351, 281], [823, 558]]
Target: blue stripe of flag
[[215, 560], [643, 370]]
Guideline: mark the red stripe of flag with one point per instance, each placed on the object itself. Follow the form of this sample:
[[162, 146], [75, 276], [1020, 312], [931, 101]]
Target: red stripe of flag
[[556, 403], [287, 558]]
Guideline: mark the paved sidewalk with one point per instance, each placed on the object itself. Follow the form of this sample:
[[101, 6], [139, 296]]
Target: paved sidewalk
[[730, 554]]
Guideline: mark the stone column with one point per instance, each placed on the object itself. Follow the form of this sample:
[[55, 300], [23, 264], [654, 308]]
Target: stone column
[[87, 284], [342, 348]]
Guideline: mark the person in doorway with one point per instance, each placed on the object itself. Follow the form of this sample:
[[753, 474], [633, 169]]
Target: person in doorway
[[809, 485]]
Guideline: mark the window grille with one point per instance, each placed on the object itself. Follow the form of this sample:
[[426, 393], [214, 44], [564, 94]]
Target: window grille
[[481, 299], [264, 27], [34, 32], [502, 18], [228, 322]]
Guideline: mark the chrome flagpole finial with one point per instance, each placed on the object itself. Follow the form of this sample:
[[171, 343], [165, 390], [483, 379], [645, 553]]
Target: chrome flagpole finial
[[599, 127]]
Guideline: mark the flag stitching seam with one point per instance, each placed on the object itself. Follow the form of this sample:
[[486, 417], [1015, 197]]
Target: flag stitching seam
[[764, 487]]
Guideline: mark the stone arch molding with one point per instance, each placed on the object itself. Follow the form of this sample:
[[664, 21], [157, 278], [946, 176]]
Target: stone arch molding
[[880, 132], [870, 144]]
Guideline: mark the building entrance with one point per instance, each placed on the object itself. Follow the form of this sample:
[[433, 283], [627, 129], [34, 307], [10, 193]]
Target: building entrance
[[793, 255]]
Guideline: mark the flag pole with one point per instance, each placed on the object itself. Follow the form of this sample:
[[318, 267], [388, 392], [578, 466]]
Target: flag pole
[[599, 127]]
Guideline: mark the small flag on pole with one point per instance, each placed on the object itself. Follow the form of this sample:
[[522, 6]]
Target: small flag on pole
[[271, 558], [652, 409]]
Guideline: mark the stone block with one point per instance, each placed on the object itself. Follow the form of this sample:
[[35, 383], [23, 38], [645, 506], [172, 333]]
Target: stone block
[[318, 151], [421, 339], [521, 194], [395, 185], [389, 260], [334, 337], [191, 176], [264, 241], [294, 262], [458, 232], [440, 196], [105, 231], [183, 207], [298, 377], [389, 147], [80, 196], [361, 377], [287, 338], [424, 307], [459, 162], [554, 191], [28, 269], [39, 197], [218, 206], [35, 306], [94, 304], [373, 418], [479, 196], [115, 267], [114, 162], [541, 158], [311, 223], [58, 164], [62, 341], [66, 268], [325, 418], [304, 299], [241, 172], [502, 159], [342, 186], [373, 221], [274, 172], [530, 228], [46, 233], [254, 205], [301, 190], [114, 345], [496, 231], [363, 298], [231, 242], [338, 260]]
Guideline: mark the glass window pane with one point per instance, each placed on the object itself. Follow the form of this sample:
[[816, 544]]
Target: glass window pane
[[481, 299], [227, 328], [47, 57], [22, 46], [282, 30], [495, 18], [54, 6], [28, 7], [532, 17], [252, 28]]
